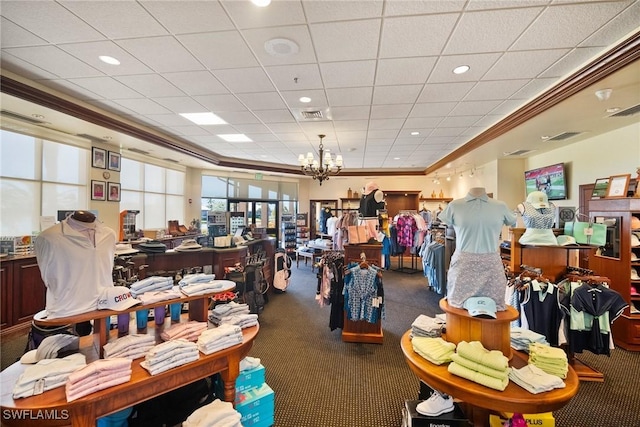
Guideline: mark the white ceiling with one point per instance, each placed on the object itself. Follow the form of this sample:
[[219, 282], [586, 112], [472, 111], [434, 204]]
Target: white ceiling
[[377, 69]]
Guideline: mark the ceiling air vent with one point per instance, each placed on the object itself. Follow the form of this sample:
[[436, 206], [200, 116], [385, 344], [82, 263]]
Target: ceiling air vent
[[137, 150], [562, 136], [517, 153], [91, 137], [16, 116], [311, 115], [628, 112], [171, 160]]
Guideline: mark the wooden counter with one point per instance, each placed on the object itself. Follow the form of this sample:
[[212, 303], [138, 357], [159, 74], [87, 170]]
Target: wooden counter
[[480, 400], [142, 386]]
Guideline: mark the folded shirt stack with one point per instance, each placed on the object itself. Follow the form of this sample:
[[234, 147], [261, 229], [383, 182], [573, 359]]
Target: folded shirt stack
[[534, 379], [246, 320], [189, 331], [215, 414], [435, 349], [521, 338], [425, 326], [222, 311], [208, 287], [189, 279], [472, 361], [552, 360], [219, 338], [149, 284], [156, 296], [131, 346], [46, 375], [169, 354], [96, 376]]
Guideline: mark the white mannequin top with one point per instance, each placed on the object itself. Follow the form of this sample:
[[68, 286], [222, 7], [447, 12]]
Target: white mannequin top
[[477, 191]]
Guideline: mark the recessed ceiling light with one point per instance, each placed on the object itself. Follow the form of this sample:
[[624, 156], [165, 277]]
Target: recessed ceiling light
[[415, 133], [204, 118], [461, 69], [37, 116], [612, 110], [305, 99], [396, 158], [109, 60], [235, 137], [261, 3], [281, 47]]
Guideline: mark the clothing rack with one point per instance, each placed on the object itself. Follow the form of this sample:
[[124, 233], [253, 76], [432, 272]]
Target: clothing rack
[[408, 270]]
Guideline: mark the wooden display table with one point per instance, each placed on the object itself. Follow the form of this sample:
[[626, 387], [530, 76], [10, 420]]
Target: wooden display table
[[494, 334], [479, 401], [142, 386]]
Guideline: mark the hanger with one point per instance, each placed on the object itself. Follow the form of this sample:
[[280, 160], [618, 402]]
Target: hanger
[[363, 263]]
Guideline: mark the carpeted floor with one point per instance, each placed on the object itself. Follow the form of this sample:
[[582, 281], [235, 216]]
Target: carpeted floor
[[321, 381]]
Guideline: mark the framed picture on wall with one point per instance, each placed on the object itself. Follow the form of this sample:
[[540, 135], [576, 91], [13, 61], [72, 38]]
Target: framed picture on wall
[[600, 188], [98, 190], [114, 161], [98, 158], [618, 185], [113, 192]]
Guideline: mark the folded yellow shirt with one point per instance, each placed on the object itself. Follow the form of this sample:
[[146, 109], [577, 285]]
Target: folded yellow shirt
[[476, 352]]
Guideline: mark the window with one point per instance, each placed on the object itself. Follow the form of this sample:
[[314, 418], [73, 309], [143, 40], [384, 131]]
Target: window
[[38, 178], [157, 192]]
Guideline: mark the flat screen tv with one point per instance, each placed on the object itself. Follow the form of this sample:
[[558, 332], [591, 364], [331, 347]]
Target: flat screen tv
[[548, 179]]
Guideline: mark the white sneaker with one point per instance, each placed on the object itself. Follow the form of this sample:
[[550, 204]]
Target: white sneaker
[[435, 405]]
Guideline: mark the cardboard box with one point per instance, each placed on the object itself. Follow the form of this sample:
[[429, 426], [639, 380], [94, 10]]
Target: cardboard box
[[250, 378], [151, 234], [455, 418], [258, 421], [544, 419], [256, 405]]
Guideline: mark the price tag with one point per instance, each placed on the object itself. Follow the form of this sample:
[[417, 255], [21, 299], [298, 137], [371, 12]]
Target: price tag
[[588, 231], [38, 387]]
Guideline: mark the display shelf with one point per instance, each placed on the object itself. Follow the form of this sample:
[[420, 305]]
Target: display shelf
[[288, 226], [302, 229]]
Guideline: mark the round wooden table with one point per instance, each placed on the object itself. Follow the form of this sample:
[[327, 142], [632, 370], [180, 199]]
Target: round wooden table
[[479, 401]]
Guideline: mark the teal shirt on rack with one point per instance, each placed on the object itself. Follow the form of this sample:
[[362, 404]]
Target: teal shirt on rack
[[477, 221]]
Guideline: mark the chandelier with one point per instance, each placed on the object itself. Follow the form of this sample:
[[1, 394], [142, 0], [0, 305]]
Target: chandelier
[[320, 169]]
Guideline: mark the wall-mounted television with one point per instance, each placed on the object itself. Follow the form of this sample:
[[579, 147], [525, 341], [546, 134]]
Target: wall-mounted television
[[548, 179]]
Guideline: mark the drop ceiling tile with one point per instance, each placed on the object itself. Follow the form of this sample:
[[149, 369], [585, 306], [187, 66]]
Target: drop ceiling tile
[[625, 22], [274, 116], [50, 21], [534, 88], [68, 87], [172, 120], [106, 87], [479, 63], [398, 94], [397, 31], [432, 109], [181, 17], [142, 106], [245, 80], [394, 111], [567, 25], [12, 35], [323, 11], [238, 117], [263, 101], [189, 130], [523, 65], [459, 121], [89, 52], [180, 104], [54, 60], [115, 108], [399, 71], [445, 92], [295, 77], [343, 97], [257, 39], [246, 15], [487, 121], [219, 103], [162, 54], [292, 137], [498, 90], [196, 83], [150, 85], [346, 125], [350, 113], [253, 128], [489, 31], [219, 50], [346, 41], [566, 64], [388, 134], [412, 7], [471, 108], [23, 68], [507, 107], [422, 122], [318, 98], [116, 20], [348, 74], [282, 128], [383, 123]]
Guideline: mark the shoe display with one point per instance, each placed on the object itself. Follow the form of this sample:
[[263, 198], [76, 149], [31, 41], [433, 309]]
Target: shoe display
[[634, 274], [634, 257], [435, 405]]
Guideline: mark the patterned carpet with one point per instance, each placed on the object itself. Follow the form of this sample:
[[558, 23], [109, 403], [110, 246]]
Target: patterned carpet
[[321, 381]]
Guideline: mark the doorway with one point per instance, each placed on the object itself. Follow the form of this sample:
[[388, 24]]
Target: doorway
[[260, 213], [317, 209]]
